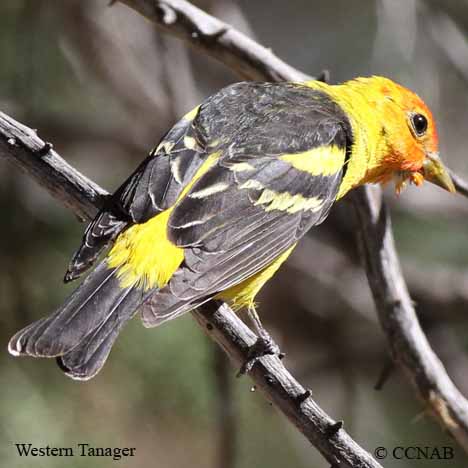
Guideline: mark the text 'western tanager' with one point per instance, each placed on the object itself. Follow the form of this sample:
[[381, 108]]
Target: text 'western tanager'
[[222, 201]]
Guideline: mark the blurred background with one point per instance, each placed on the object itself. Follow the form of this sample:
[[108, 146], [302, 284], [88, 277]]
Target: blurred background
[[103, 85]]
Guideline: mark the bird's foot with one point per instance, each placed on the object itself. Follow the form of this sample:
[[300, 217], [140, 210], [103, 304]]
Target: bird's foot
[[262, 347]]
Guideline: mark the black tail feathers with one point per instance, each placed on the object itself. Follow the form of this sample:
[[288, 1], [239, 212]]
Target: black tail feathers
[[81, 332], [85, 360], [99, 233]]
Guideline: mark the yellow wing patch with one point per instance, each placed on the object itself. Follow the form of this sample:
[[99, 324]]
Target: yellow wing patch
[[143, 254], [190, 143], [283, 201], [321, 161], [241, 167]]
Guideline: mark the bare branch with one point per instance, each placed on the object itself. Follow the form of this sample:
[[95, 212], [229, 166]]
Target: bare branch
[[396, 312], [217, 39], [460, 184], [21, 146], [283, 390], [408, 343], [25, 149]]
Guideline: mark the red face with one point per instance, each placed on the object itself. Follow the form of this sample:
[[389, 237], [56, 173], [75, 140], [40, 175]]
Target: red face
[[412, 141], [423, 140]]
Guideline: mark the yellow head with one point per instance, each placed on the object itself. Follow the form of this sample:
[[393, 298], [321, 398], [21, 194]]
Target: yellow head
[[410, 151], [394, 132]]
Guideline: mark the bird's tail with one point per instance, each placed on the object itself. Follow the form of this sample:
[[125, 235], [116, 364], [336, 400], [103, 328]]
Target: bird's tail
[[80, 334]]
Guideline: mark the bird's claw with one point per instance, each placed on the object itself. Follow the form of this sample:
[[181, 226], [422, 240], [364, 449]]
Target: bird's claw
[[262, 347]]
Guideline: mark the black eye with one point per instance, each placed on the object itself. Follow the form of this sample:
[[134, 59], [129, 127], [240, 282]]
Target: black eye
[[419, 124]]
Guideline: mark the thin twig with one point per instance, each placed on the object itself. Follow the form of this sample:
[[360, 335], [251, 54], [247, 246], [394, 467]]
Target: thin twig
[[407, 341], [460, 184], [22, 146]]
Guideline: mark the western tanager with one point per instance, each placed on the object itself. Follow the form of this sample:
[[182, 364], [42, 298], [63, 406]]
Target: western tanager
[[222, 201]]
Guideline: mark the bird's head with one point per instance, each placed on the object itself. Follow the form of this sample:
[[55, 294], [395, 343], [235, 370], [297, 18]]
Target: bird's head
[[408, 145]]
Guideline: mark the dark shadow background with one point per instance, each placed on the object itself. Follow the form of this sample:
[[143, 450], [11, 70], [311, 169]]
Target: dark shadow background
[[102, 85]]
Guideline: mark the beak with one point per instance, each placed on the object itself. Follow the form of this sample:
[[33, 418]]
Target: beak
[[434, 171]]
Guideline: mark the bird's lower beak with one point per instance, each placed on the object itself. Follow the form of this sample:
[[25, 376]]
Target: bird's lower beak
[[434, 171]]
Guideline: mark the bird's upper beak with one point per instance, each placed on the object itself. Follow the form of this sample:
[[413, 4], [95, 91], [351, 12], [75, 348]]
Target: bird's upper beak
[[434, 171]]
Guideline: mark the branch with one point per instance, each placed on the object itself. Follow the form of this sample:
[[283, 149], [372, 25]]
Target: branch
[[407, 341], [21, 146], [460, 184], [217, 39]]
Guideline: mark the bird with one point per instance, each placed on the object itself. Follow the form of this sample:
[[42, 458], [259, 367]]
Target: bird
[[222, 201]]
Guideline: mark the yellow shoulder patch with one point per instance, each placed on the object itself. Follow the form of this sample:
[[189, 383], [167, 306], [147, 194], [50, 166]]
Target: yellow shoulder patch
[[359, 107], [321, 161]]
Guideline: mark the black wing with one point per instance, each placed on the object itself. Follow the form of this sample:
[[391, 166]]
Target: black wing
[[253, 204]]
